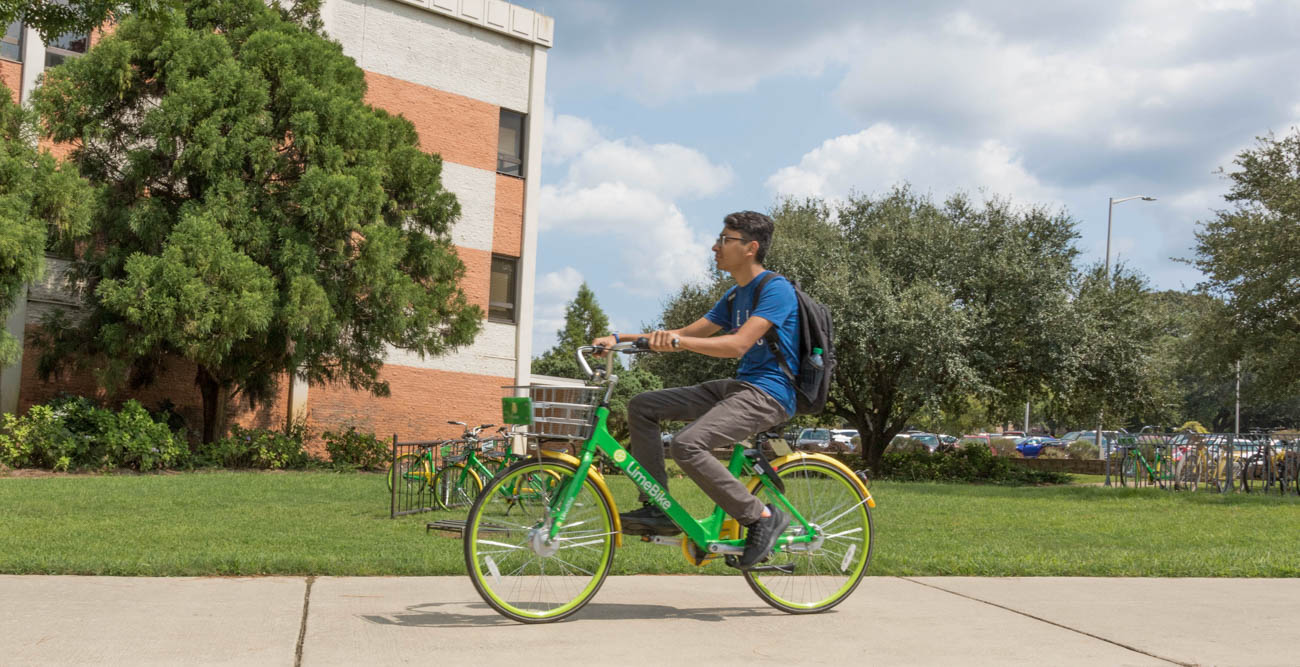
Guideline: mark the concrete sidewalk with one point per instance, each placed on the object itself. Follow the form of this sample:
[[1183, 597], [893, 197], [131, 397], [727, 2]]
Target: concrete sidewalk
[[648, 619]]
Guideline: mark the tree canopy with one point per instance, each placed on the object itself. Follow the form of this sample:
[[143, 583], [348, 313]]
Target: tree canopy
[[1250, 255], [38, 198], [255, 216], [584, 320], [933, 304]]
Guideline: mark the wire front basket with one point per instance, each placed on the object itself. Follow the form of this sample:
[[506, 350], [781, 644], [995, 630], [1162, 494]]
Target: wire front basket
[[557, 412]]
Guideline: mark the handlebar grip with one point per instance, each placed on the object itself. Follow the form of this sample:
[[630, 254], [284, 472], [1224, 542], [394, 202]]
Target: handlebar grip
[[486, 426], [642, 343]]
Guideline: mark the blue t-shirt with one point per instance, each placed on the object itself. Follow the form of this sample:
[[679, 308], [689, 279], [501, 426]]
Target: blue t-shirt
[[778, 305]]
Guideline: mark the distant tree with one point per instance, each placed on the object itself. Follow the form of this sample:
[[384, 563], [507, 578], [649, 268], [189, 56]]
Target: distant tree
[[584, 320], [932, 304], [1250, 255], [53, 18], [41, 201], [258, 218]]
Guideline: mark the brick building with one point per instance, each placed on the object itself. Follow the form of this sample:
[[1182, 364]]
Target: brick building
[[471, 76]]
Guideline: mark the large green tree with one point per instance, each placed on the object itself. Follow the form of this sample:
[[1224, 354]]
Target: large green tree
[[40, 200], [1250, 255], [584, 320], [257, 218], [933, 304]]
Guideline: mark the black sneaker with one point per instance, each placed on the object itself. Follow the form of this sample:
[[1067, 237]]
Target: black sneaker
[[649, 520], [761, 537]]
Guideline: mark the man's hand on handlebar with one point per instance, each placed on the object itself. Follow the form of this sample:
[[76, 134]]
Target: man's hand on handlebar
[[664, 341], [603, 341]]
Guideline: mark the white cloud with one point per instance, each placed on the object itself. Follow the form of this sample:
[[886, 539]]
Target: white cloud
[[563, 283], [566, 136], [622, 194], [883, 155]]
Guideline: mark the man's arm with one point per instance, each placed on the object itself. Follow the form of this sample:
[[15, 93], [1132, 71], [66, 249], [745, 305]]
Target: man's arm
[[701, 328], [730, 346]]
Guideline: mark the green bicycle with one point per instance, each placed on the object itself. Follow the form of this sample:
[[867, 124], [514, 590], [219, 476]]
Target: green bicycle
[[1136, 470], [461, 480], [541, 558], [415, 471]]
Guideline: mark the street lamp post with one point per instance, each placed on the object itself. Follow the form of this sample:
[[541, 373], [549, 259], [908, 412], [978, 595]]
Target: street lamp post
[[1110, 215]]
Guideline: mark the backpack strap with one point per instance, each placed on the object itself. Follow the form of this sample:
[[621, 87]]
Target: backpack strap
[[773, 339]]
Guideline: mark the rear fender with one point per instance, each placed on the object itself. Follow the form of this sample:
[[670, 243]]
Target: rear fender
[[822, 458]]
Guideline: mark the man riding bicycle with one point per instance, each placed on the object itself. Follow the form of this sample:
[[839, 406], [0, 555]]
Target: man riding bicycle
[[722, 412]]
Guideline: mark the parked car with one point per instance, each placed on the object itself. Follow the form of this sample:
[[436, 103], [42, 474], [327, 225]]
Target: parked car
[[842, 439], [930, 440], [815, 439], [1031, 447], [982, 438]]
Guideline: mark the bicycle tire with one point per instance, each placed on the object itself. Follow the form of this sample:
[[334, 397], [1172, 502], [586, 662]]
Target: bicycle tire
[[405, 465], [456, 487], [1251, 468], [508, 562], [1128, 471], [826, 573]]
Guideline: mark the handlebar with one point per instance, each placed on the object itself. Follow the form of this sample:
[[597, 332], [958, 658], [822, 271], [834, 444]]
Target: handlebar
[[638, 346]]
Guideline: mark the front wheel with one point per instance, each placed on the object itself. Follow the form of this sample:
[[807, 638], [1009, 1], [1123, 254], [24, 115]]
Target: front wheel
[[515, 566], [817, 575], [456, 487], [1128, 469]]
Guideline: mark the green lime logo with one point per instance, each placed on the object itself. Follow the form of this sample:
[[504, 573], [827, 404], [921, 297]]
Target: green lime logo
[[620, 456]]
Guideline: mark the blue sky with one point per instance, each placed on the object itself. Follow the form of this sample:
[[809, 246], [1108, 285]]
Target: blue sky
[[663, 117]]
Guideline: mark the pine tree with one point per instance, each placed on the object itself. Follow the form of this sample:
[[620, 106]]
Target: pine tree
[[584, 320], [257, 218]]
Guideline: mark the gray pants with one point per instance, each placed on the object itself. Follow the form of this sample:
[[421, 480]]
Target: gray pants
[[724, 412]]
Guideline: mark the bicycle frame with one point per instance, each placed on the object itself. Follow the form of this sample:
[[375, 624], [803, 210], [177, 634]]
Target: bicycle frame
[[703, 533]]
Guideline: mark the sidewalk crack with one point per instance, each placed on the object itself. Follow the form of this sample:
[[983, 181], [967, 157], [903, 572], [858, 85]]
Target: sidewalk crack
[[1051, 622], [302, 627]]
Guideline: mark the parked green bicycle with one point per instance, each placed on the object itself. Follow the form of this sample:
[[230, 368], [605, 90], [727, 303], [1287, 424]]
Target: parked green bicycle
[[414, 472], [541, 558], [1136, 470], [461, 480]]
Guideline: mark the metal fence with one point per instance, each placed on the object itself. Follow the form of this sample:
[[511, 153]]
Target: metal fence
[[411, 471], [1248, 463]]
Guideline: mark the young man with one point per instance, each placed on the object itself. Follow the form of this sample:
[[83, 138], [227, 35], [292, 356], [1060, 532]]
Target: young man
[[722, 412]]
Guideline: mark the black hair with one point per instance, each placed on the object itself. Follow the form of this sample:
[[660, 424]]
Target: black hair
[[754, 227]]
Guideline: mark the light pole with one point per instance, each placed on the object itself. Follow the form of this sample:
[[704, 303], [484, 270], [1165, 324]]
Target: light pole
[[1110, 215]]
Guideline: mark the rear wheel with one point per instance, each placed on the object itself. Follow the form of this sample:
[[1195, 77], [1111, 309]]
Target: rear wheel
[[822, 573], [1128, 467], [456, 487], [514, 567], [409, 473]]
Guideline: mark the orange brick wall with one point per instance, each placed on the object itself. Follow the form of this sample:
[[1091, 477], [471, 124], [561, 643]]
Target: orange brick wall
[[11, 73], [508, 218], [461, 129], [421, 403], [478, 275]]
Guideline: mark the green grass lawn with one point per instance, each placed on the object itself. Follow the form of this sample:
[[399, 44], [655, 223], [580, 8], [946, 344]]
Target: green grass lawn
[[298, 523]]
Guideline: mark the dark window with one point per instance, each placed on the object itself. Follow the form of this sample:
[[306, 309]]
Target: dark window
[[510, 144], [11, 47], [69, 44], [501, 295]]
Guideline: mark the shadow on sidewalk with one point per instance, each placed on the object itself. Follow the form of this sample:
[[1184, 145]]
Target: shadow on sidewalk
[[428, 616]]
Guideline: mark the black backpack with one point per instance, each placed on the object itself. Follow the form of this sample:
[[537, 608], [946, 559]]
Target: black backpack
[[815, 331]]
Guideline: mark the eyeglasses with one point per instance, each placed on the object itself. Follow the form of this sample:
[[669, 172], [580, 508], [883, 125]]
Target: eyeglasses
[[723, 238]]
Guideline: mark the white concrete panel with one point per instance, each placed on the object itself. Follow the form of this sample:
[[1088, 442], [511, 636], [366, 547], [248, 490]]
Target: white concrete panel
[[498, 13], [476, 190], [491, 353], [545, 30], [448, 6], [532, 181], [521, 21], [343, 21], [472, 9], [433, 50]]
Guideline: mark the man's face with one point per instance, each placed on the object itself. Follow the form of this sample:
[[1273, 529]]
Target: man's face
[[731, 249]]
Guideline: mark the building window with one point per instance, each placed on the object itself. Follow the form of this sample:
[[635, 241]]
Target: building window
[[69, 44], [501, 295], [11, 47], [510, 144]]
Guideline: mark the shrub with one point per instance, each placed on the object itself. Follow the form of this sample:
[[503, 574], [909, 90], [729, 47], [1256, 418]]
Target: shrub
[[72, 432], [1081, 449], [259, 448], [1005, 447], [972, 462], [354, 450], [903, 445]]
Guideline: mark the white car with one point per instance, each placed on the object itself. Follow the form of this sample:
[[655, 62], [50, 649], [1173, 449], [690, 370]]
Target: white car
[[842, 439]]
